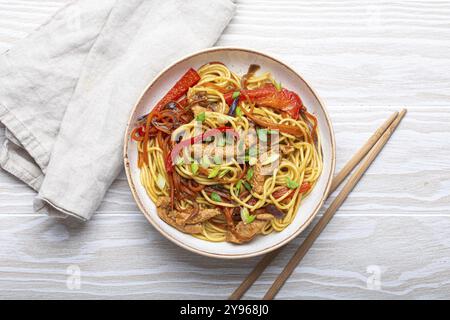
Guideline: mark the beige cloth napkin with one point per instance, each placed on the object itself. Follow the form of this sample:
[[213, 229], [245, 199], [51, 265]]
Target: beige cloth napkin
[[66, 91]]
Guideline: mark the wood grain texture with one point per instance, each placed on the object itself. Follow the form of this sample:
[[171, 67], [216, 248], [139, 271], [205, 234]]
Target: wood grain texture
[[123, 257], [329, 213], [366, 61]]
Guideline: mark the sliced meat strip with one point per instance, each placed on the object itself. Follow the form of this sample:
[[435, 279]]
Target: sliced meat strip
[[264, 216], [245, 232], [184, 218], [198, 109], [164, 212], [203, 215], [258, 179]]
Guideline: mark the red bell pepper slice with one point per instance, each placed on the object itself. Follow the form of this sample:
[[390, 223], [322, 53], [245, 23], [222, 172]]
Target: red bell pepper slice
[[268, 96], [305, 186], [189, 79]]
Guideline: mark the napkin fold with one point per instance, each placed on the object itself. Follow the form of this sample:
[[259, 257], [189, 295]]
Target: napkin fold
[[67, 89]]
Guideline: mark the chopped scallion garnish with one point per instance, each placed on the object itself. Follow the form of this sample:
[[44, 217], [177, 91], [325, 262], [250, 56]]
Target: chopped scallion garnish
[[214, 172], [201, 117], [215, 197], [194, 167], [291, 184], [246, 216], [249, 174]]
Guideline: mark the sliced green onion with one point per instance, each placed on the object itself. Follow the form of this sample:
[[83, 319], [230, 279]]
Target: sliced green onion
[[161, 181], [214, 172], [291, 184], [194, 167], [246, 216], [278, 85], [201, 117], [239, 112], [238, 187], [223, 173], [250, 174], [247, 185], [215, 197], [236, 94]]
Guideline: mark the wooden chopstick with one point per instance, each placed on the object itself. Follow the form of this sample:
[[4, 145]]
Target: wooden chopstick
[[337, 180], [329, 213]]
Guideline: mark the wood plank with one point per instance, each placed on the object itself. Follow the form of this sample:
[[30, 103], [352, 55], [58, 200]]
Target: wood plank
[[124, 257], [355, 52], [364, 59], [409, 254]]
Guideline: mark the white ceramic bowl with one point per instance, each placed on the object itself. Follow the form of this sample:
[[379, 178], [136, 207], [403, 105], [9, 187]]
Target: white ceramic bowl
[[238, 60]]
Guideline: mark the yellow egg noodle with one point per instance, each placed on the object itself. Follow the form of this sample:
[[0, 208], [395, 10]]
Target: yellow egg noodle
[[271, 201]]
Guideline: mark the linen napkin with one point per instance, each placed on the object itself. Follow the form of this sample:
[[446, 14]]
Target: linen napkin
[[66, 91]]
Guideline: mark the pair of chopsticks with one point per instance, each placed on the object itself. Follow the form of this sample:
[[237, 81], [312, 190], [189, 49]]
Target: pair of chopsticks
[[369, 151]]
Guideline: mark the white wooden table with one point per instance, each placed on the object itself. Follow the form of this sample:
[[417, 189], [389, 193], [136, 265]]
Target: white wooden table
[[391, 238]]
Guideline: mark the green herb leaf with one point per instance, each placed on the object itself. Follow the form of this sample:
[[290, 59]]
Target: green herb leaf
[[236, 94], [238, 187], [247, 185], [291, 184], [194, 167], [214, 172], [215, 197], [239, 112], [246, 216], [201, 117], [250, 174]]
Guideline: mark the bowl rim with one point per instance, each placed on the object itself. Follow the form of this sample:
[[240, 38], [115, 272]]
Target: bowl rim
[[275, 246]]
